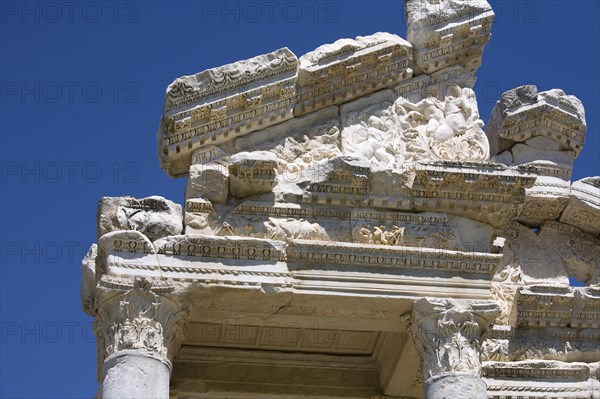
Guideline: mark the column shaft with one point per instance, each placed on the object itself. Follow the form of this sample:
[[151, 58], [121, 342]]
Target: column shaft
[[448, 336], [135, 375], [139, 333], [454, 385]]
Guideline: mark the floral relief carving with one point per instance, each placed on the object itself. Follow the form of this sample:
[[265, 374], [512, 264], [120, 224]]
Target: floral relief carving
[[397, 132], [449, 333], [139, 319]]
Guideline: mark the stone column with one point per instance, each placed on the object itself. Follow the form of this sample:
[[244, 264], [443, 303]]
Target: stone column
[[448, 335], [139, 333]]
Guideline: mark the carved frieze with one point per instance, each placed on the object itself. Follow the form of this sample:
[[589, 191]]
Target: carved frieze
[[586, 308], [213, 82], [525, 249], [220, 104], [492, 193], [349, 68], [438, 260], [536, 370], [360, 225], [556, 343], [289, 221], [222, 248], [448, 32], [422, 230], [434, 85], [339, 181], [544, 306], [558, 306], [125, 253], [523, 113], [252, 173]]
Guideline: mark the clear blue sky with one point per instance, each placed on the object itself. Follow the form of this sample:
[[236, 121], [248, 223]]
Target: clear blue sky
[[82, 94]]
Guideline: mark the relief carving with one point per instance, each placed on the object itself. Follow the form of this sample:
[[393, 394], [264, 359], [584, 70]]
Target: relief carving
[[449, 333], [139, 319], [400, 131], [341, 177]]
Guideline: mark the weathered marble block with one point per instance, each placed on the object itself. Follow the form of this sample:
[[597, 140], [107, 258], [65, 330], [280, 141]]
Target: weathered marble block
[[491, 193], [219, 104], [448, 32], [297, 144], [547, 378], [421, 230], [338, 181], [548, 196], [88, 280], [391, 188], [126, 253], [545, 130], [207, 154], [567, 344], [285, 221], [198, 217], [558, 306], [579, 251], [583, 208], [349, 68], [522, 114], [209, 182], [586, 308], [544, 306], [525, 251], [252, 173], [434, 85], [155, 216]]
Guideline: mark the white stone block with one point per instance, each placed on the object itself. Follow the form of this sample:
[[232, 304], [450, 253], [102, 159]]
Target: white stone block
[[209, 182], [450, 32], [215, 106], [522, 114], [252, 173], [350, 68], [154, 216], [522, 153], [583, 208]]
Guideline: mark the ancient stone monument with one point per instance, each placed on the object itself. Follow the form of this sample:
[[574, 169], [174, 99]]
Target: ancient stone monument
[[351, 229]]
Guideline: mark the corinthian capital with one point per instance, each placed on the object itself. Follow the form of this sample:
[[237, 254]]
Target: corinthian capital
[[139, 319], [448, 333]]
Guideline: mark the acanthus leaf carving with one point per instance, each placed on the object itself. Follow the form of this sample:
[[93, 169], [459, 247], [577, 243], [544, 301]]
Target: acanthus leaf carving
[[140, 319], [448, 334]]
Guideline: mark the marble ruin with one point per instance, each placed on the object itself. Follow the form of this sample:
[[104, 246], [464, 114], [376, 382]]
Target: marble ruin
[[353, 229]]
